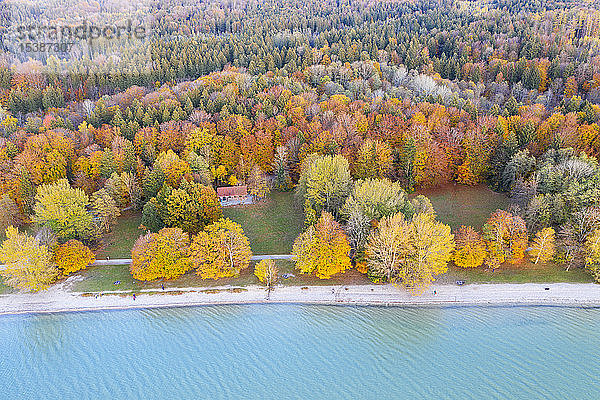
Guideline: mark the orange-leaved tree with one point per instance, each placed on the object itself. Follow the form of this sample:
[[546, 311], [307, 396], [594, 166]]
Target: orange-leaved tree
[[506, 238], [73, 256], [322, 248], [161, 255], [470, 248]]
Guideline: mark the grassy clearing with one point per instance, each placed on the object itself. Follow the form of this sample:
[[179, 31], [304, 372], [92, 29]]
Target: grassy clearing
[[4, 289], [102, 278], [523, 272], [118, 243], [271, 225], [458, 205]]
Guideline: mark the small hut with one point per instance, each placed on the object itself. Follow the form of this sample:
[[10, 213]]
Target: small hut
[[232, 195]]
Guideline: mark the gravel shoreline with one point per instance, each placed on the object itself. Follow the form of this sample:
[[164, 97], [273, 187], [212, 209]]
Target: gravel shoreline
[[57, 299]]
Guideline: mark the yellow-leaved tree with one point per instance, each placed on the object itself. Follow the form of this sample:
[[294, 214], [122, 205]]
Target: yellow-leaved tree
[[470, 248], [207, 257], [592, 260], [73, 256], [65, 210], [543, 247], [412, 252], [374, 160], [387, 248], [258, 183], [173, 167], [267, 272], [161, 255], [28, 265], [325, 183], [322, 248], [221, 250]]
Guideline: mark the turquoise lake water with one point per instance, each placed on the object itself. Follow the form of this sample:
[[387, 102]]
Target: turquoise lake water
[[303, 352]]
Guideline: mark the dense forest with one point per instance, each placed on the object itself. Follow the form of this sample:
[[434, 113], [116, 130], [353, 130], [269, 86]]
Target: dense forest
[[375, 98], [483, 52]]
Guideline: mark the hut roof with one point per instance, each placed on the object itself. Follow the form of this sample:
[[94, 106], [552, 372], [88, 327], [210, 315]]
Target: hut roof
[[232, 191]]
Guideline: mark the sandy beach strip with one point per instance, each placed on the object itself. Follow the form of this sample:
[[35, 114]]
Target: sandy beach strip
[[57, 299]]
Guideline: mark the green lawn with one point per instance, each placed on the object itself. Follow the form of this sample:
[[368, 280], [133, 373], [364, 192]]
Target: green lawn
[[524, 272], [4, 289], [102, 278], [118, 243], [271, 225], [99, 279], [458, 205]]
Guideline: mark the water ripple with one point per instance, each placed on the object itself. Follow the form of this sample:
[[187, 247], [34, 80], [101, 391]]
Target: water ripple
[[300, 352]]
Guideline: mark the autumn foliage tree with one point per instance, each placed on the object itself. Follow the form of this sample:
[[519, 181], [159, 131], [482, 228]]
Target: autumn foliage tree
[[28, 264], [374, 160], [323, 248], [65, 210], [543, 247], [46, 157], [258, 183], [411, 253], [124, 189], [592, 260], [324, 185], [173, 167], [506, 238], [105, 210], [73, 256], [369, 201], [221, 250], [161, 255], [190, 207], [281, 171], [207, 256], [267, 272], [10, 215], [470, 248]]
